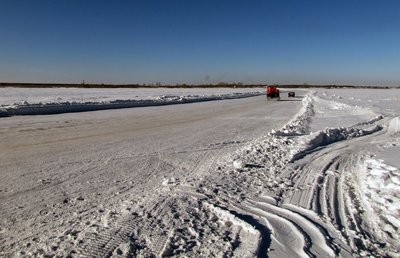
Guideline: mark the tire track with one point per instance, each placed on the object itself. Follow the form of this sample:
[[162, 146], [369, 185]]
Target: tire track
[[328, 172], [314, 241], [105, 242]]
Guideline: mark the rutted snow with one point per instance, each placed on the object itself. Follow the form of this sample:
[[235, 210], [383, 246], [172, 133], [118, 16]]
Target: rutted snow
[[338, 170]]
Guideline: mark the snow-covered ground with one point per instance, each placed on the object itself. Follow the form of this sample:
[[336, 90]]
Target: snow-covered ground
[[37, 101], [317, 176], [12, 95]]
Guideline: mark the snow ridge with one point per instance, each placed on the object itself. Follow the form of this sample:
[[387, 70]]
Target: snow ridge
[[299, 125], [329, 136], [26, 108]]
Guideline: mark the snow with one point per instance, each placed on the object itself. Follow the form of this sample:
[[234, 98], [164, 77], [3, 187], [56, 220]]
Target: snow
[[313, 176], [11, 95], [238, 165], [380, 185], [22, 101]]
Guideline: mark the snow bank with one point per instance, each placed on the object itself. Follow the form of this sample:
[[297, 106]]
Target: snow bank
[[26, 108], [329, 136], [300, 123], [11, 95]]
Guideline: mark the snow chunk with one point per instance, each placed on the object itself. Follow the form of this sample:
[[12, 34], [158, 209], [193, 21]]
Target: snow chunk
[[238, 164]]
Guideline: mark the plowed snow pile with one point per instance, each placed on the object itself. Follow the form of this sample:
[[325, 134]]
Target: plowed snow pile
[[326, 184], [25, 101]]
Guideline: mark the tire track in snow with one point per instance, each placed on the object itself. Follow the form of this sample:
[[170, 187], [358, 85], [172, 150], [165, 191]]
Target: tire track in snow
[[333, 238], [314, 241], [247, 222], [327, 174], [107, 241], [265, 240], [318, 176], [126, 228], [325, 199], [282, 232]]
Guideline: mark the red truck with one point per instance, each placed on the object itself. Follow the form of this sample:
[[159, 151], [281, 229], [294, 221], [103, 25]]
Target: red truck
[[272, 92]]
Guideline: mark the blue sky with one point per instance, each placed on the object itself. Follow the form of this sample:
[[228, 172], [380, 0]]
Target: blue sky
[[183, 41]]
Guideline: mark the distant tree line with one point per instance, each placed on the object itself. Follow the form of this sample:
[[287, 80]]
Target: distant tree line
[[184, 85]]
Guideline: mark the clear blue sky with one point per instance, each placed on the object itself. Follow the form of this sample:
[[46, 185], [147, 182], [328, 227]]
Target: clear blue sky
[[188, 41]]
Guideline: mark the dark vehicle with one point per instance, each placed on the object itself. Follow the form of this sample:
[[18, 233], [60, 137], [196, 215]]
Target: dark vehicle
[[291, 94]]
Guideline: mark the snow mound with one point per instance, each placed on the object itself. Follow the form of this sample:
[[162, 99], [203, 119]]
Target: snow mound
[[331, 135]]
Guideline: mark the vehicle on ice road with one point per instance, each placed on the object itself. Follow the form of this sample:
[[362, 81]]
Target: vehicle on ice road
[[272, 92]]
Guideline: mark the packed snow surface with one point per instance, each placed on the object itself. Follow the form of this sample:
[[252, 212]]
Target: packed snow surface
[[311, 176]]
